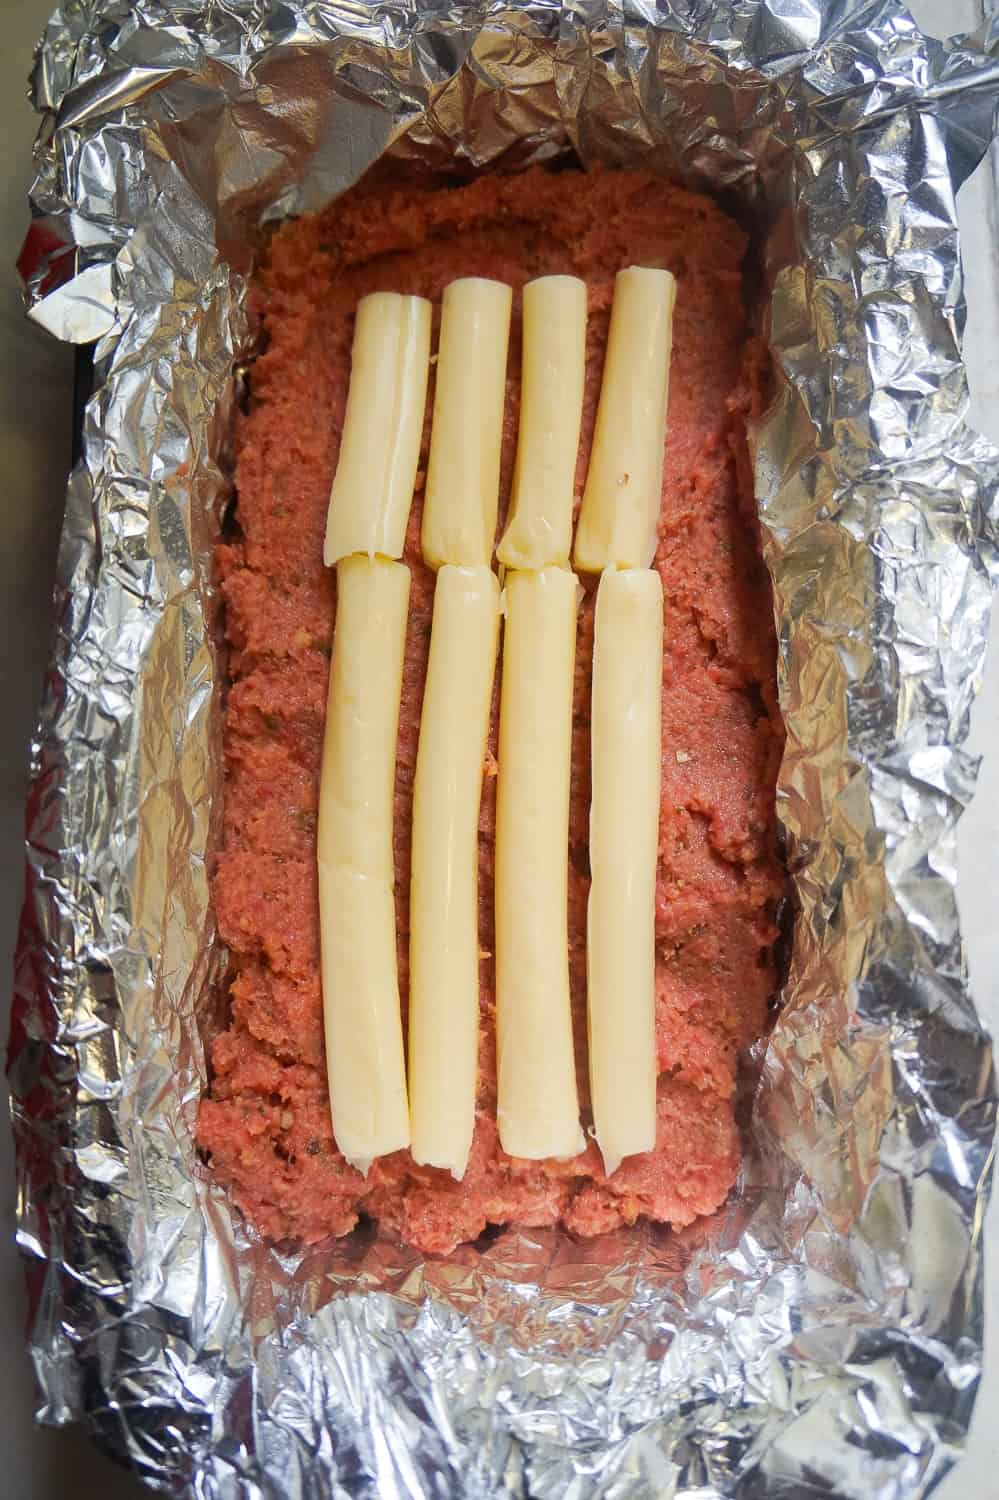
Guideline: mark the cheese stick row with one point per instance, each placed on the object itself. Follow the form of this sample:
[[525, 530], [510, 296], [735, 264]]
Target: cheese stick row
[[459, 523], [373, 487], [537, 1098], [366, 527], [537, 1103]]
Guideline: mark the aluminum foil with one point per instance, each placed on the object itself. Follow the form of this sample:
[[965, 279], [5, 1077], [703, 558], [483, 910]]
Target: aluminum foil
[[822, 1335]]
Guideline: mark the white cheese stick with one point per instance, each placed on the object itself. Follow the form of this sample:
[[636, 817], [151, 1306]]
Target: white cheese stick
[[462, 493], [624, 841], [444, 905], [538, 1105], [617, 520], [553, 372], [383, 426], [364, 1052]]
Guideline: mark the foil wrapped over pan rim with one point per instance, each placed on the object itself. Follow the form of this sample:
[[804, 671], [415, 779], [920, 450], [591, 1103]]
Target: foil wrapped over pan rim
[[822, 1336]]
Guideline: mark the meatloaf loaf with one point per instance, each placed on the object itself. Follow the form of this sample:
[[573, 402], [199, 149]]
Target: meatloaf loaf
[[265, 1122]]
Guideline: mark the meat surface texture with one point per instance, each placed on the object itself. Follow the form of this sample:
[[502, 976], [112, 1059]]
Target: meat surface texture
[[265, 1121]]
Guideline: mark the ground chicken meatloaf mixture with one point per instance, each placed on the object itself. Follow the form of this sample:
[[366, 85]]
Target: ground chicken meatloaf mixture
[[266, 1120]]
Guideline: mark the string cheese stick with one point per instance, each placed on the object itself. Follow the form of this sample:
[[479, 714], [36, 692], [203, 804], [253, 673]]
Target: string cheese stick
[[538, 1106], [553, 367], [462, 494], [364, 1053], [617, 520], [444, 906], [383, 426], [624, 840]]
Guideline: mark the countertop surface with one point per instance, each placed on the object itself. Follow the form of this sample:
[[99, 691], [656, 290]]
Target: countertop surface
[[35, 408]]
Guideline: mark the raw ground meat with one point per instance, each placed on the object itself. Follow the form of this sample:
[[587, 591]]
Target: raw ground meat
[[266, 1120]]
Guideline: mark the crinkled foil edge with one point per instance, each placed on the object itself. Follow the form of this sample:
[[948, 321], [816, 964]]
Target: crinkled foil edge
[[823, 1335]]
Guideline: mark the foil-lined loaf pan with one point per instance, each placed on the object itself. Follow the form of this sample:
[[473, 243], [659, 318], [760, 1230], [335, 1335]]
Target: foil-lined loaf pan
[[823, 1335]]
